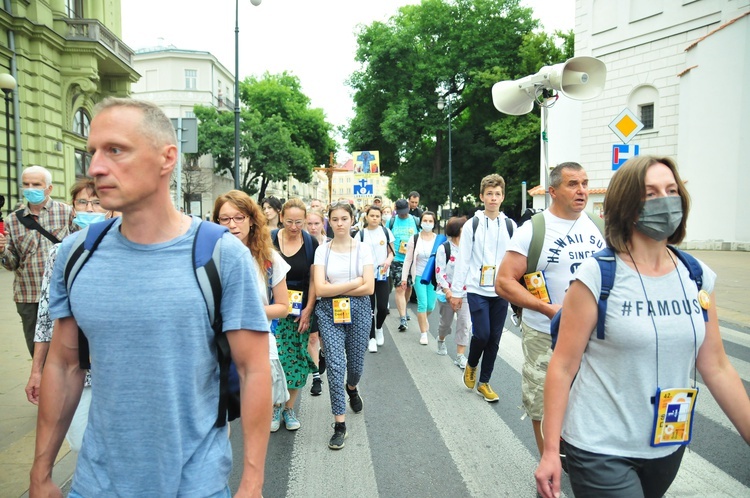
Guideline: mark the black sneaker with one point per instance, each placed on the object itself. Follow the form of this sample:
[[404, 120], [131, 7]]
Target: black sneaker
[[321, 362], [355, 400], [316, 388], [339, 434]]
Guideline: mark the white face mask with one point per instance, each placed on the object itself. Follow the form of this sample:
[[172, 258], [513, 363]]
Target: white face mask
[[386, 218], [427, 227]]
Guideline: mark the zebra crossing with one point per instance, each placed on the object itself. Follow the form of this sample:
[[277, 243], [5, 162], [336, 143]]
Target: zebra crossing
[[422, 433]]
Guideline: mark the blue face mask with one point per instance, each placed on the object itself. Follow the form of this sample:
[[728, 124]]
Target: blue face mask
[[85, 219], [34, 195]]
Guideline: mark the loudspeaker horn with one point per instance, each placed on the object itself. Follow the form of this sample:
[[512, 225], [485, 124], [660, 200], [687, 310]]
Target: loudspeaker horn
[[509, 98], [579, 78]]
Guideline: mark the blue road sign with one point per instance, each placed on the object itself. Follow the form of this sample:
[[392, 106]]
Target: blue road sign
[[623, 152]]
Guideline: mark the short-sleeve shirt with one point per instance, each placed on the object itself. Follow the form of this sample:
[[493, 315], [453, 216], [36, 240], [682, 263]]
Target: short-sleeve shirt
[[153, 358], [567, 243], [377, 240], [343, 267], [610, 410], [403, 230]]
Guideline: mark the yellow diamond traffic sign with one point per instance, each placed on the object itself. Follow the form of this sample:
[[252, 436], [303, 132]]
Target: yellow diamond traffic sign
[[626, 125]]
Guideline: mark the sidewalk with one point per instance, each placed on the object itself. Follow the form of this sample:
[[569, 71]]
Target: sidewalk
[[18, 416]]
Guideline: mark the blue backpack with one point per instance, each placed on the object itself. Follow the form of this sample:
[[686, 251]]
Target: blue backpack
[[207, 265], [607, 267]]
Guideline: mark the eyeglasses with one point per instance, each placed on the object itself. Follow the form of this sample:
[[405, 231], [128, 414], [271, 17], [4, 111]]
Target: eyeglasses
[[85, 202], [297, 223], [224, 220]]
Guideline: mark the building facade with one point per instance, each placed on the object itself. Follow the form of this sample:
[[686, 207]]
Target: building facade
[[177, 80], [679, 65], [65, 55]]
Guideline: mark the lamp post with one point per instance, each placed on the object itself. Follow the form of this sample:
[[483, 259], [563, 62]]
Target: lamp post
[[237, 90], [7, 85], [441, 105]]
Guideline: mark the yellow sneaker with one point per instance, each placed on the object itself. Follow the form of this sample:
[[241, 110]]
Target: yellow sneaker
[[485, 390], [470, 376]]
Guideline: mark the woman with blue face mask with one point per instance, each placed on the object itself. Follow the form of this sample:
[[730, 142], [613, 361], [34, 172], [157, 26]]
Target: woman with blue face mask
[[87, 210], [624, 402]]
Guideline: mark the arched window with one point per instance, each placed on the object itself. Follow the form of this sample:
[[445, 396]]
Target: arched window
[[81, 122], [644, 101]]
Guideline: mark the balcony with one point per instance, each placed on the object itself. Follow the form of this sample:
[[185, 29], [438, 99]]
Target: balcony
[[91, 30]]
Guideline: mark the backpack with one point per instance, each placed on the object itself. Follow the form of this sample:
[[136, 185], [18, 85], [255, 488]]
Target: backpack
[[207, 265], [309, 253], [387, 237], [607, 267], [475, 224]]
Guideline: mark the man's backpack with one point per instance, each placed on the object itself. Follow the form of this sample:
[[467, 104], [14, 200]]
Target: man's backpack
[[475, 224], [607, 267], [206, 264]]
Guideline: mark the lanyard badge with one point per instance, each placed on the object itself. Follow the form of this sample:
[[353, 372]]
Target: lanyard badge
[[295, 302], [342, 310], [673, 416], [487, 276], [536, 283]]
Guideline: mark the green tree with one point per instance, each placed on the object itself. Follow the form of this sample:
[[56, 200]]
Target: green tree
[[280, 134], [456, 50]]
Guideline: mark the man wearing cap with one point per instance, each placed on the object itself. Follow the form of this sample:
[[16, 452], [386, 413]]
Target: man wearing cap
[[403, 226], [378, 201]]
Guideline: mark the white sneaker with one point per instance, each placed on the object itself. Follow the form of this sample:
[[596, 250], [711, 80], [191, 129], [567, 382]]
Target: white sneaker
[[379, 338], [423, 339], [372, 346], [460, 361], [441, 349]]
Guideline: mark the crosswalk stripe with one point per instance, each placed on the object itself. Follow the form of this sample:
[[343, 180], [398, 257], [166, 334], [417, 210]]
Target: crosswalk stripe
[[476, 443], [735, 336]]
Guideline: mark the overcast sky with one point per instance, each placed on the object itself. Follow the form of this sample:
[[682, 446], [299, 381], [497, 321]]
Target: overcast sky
[[312, 39]]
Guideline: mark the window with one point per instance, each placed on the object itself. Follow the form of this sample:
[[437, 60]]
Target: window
[[81, 122], [82, 159], [191, 79], [647, 116], [189, 114], [74, 9]]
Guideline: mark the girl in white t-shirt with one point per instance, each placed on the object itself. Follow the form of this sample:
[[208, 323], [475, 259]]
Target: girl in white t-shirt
[[243, 217], [343, 276], [380, 241]]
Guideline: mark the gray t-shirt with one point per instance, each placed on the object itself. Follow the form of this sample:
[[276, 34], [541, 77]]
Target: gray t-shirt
[[154, 403], [610, 410]]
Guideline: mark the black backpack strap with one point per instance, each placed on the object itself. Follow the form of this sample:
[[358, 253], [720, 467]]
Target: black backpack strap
[[694, 269], [509, 226], [29, 222], [607, 268]]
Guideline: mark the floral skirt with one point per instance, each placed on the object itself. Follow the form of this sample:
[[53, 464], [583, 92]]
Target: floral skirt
[[293, 353]]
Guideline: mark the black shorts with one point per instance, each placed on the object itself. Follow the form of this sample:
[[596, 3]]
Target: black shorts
[[397, 269]]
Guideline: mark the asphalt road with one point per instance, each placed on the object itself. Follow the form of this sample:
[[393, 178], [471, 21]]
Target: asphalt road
[[422, 433]]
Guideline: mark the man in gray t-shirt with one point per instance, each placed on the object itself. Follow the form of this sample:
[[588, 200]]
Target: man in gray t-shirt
[[152, 427]]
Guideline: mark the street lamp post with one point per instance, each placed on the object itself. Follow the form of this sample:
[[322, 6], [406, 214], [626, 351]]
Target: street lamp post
[[237, 90], [7, 85], [441, 105]]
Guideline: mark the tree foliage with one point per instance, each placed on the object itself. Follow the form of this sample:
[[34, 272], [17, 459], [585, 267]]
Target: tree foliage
[[455, 49], [280, 134]]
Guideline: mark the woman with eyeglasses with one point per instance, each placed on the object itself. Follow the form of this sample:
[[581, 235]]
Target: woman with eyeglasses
[[272, 210], [244, 219], [344, 278], [380, 241], [297, 248], [87, 210]]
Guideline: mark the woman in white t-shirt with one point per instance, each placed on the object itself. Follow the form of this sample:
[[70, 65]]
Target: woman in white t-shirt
[[380, 241], [624, 403], [344, 280], [243, 217]]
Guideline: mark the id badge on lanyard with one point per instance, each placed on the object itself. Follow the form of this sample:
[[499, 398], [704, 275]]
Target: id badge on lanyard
[[487, 277], [342, 310], [673, 416], [295, 302]]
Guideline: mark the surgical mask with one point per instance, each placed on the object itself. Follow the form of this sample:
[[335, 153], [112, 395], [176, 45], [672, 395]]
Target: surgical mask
[[660, 217], [386, 218], [427, 227], [34, 195], [85, 219]]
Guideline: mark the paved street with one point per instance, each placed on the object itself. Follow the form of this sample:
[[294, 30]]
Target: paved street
[[421, 433]]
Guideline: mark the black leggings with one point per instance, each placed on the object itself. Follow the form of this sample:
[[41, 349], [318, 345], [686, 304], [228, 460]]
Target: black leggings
[[379, 297]]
